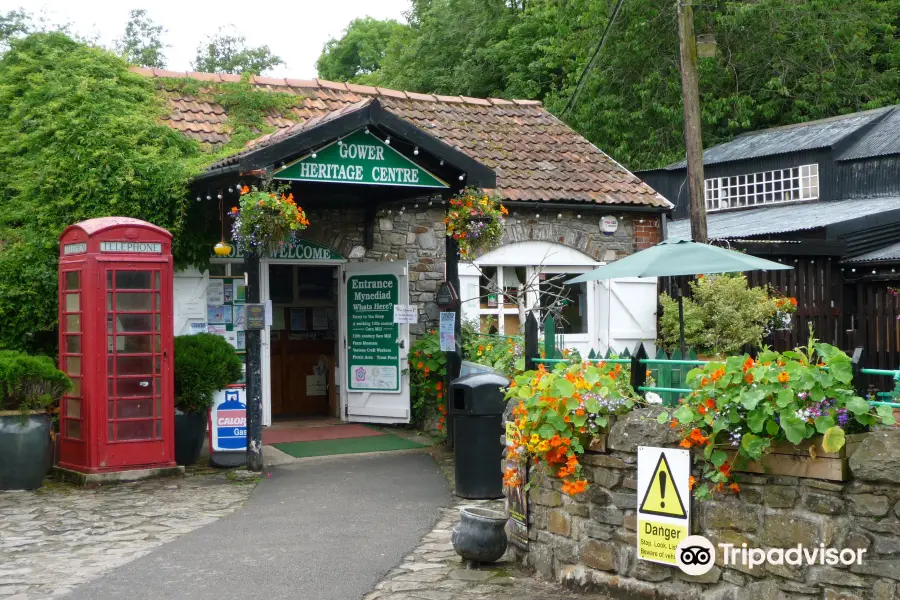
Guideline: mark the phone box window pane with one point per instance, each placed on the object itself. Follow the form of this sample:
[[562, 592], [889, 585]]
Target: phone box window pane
[[134, 323], [73, 302], [73, 429], [159, 429], [133, 280], [134, 343], [73, 344], [73, 407], [73, 365], [133, 386], [72, 280], [76, 386], [134, 430], [133, 365], [133, 301], [73, 323], [156, 280], [132, 409]]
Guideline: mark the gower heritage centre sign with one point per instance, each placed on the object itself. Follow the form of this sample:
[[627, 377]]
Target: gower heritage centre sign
[[359, 158]]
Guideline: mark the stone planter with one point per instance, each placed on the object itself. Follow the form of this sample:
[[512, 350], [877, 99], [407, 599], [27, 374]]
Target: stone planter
[[190, 430], [480, 536], [806, 460], [25, 448]]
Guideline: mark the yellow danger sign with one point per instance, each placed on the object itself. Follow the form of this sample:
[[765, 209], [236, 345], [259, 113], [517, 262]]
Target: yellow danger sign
[[661, 496]]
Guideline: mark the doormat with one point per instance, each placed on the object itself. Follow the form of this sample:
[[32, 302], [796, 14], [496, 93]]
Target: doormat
[[281, 435], [374, 443]]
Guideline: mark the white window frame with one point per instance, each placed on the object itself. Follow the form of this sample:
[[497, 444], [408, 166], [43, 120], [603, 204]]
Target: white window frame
[[791, 184]]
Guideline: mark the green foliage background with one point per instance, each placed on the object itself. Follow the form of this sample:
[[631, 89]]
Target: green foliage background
[[82, 137], [778, 62]]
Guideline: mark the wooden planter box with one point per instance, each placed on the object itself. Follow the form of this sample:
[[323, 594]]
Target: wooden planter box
[[797, 461], [598, 442]]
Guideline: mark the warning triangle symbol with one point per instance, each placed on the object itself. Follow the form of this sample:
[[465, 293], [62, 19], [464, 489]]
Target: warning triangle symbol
[[662, 497]]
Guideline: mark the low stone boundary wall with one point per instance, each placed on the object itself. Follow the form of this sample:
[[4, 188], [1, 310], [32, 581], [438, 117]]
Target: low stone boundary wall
[[590, 541]]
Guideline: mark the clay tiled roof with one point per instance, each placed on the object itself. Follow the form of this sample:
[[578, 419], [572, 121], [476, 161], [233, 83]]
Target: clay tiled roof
[[536, 156]]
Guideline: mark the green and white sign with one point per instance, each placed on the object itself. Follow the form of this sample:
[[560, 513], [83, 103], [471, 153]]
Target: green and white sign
[[299, 249], [359, 158], [372, 351]]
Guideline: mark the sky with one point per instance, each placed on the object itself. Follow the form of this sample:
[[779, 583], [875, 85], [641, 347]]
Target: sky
[[295, 31]]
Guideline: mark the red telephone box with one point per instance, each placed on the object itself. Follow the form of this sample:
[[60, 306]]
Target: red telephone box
[[115, 343]]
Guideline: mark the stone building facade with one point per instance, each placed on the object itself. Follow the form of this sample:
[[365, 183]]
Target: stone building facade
[[590, 541]]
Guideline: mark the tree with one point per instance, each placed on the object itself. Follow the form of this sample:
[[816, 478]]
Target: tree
[[142, 43], [227, 52], [358, 54], [80, 137]]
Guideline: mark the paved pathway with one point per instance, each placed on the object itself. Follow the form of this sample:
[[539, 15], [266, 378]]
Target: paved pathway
[[62, 536], [326, 528], [433, 571]]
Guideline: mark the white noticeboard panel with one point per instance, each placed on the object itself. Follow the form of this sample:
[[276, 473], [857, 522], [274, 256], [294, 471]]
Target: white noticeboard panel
[[406, 313], [663, 502]]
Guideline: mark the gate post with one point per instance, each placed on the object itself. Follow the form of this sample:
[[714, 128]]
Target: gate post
[[531, 342]]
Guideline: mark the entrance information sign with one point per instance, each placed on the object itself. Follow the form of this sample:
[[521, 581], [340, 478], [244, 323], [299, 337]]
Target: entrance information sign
[[663, 502], [372, 351], [359, 158]]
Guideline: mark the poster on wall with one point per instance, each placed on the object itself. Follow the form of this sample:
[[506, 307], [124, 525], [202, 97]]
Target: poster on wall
[[319, 319], [240, 292], [448, 331], [228, 421], [228, 296], [517, 498], [298, 319], [373, 352], [198, 328], [215, 291], [218, 313], [238, 317]]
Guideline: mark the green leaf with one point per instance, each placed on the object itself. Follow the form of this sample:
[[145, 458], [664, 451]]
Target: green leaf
[[684, 414], [571, 403], [824, 423], [756, 419], [520, 365], [662, 417], [794, 429], [579, 421], [718, 458], [592, 375], [750, 398], [886, 414], [601, 420], [833, 440], [547, 431], [785, 397], [772, 427], [841, 370], [753, 445], [592, 405], [563, 388], [858, 406]]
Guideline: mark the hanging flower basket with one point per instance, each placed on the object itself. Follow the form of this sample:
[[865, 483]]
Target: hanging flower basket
[[266, 220], [476, 221]]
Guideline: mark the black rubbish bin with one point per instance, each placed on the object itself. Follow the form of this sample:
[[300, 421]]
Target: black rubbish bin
[[467, 368], [476, 409]]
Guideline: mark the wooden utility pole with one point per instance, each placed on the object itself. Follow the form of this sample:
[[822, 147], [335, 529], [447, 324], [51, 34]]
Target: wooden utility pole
[[253, 340], [693, 142]]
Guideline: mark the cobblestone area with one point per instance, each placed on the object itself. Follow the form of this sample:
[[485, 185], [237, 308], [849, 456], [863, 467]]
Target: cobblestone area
[[61, 536], [435, 572]]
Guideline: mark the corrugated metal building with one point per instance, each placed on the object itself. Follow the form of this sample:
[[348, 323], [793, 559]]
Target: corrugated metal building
[[825, 196]]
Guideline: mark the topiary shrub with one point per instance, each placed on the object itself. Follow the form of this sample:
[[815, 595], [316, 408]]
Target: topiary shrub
[[30, 383], [204, 363]]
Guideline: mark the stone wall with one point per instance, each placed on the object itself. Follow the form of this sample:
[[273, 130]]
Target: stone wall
[[589, 541], [416, 234]]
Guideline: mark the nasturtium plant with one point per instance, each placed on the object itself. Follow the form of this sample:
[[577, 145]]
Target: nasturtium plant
[[559, 410], [746, 405], [427, 371]]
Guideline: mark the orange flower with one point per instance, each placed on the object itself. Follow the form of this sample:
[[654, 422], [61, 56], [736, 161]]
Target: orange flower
[[704, 381], [673, 424], [794, 302], [692, 481], [420, 365], [697, 436], [579, 412], [441, 420], [245, 190], [734, 488], [567, 419], [710, 403], [685, 443], [725, 469], [748, 364], [783, 377], [717, 374], [575, 487], [503, 210], [748, 377], [427, 370], [234, 210], [649, 373], [701, 409], [439, 385]]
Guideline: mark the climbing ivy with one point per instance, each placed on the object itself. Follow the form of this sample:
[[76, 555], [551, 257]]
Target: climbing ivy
[[81, 136]]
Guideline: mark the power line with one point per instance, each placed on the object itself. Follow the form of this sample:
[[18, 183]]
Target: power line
[[590, 63]]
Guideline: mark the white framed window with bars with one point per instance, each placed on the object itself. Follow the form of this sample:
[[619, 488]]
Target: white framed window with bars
[[793, 184]]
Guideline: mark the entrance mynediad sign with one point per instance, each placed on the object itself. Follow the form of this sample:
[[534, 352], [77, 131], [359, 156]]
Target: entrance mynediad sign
[[372, 351], [663, 517], [359, 158]]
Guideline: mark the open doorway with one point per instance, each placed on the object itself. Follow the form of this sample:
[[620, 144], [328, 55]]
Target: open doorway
[[304, 336]]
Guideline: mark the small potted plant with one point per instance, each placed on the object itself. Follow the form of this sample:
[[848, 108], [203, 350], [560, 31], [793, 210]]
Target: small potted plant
[[204, 364], [29, 386], [475, 220]]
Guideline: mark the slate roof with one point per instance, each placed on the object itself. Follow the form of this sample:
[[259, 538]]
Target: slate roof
[[767, 220], [811, 135], [888, 253], [536, 156]]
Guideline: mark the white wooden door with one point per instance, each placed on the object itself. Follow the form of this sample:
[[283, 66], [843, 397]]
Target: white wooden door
[[627, 310], [375, 385]]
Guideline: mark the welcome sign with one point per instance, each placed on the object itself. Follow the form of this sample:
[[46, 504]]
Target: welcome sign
[[362, 159]]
